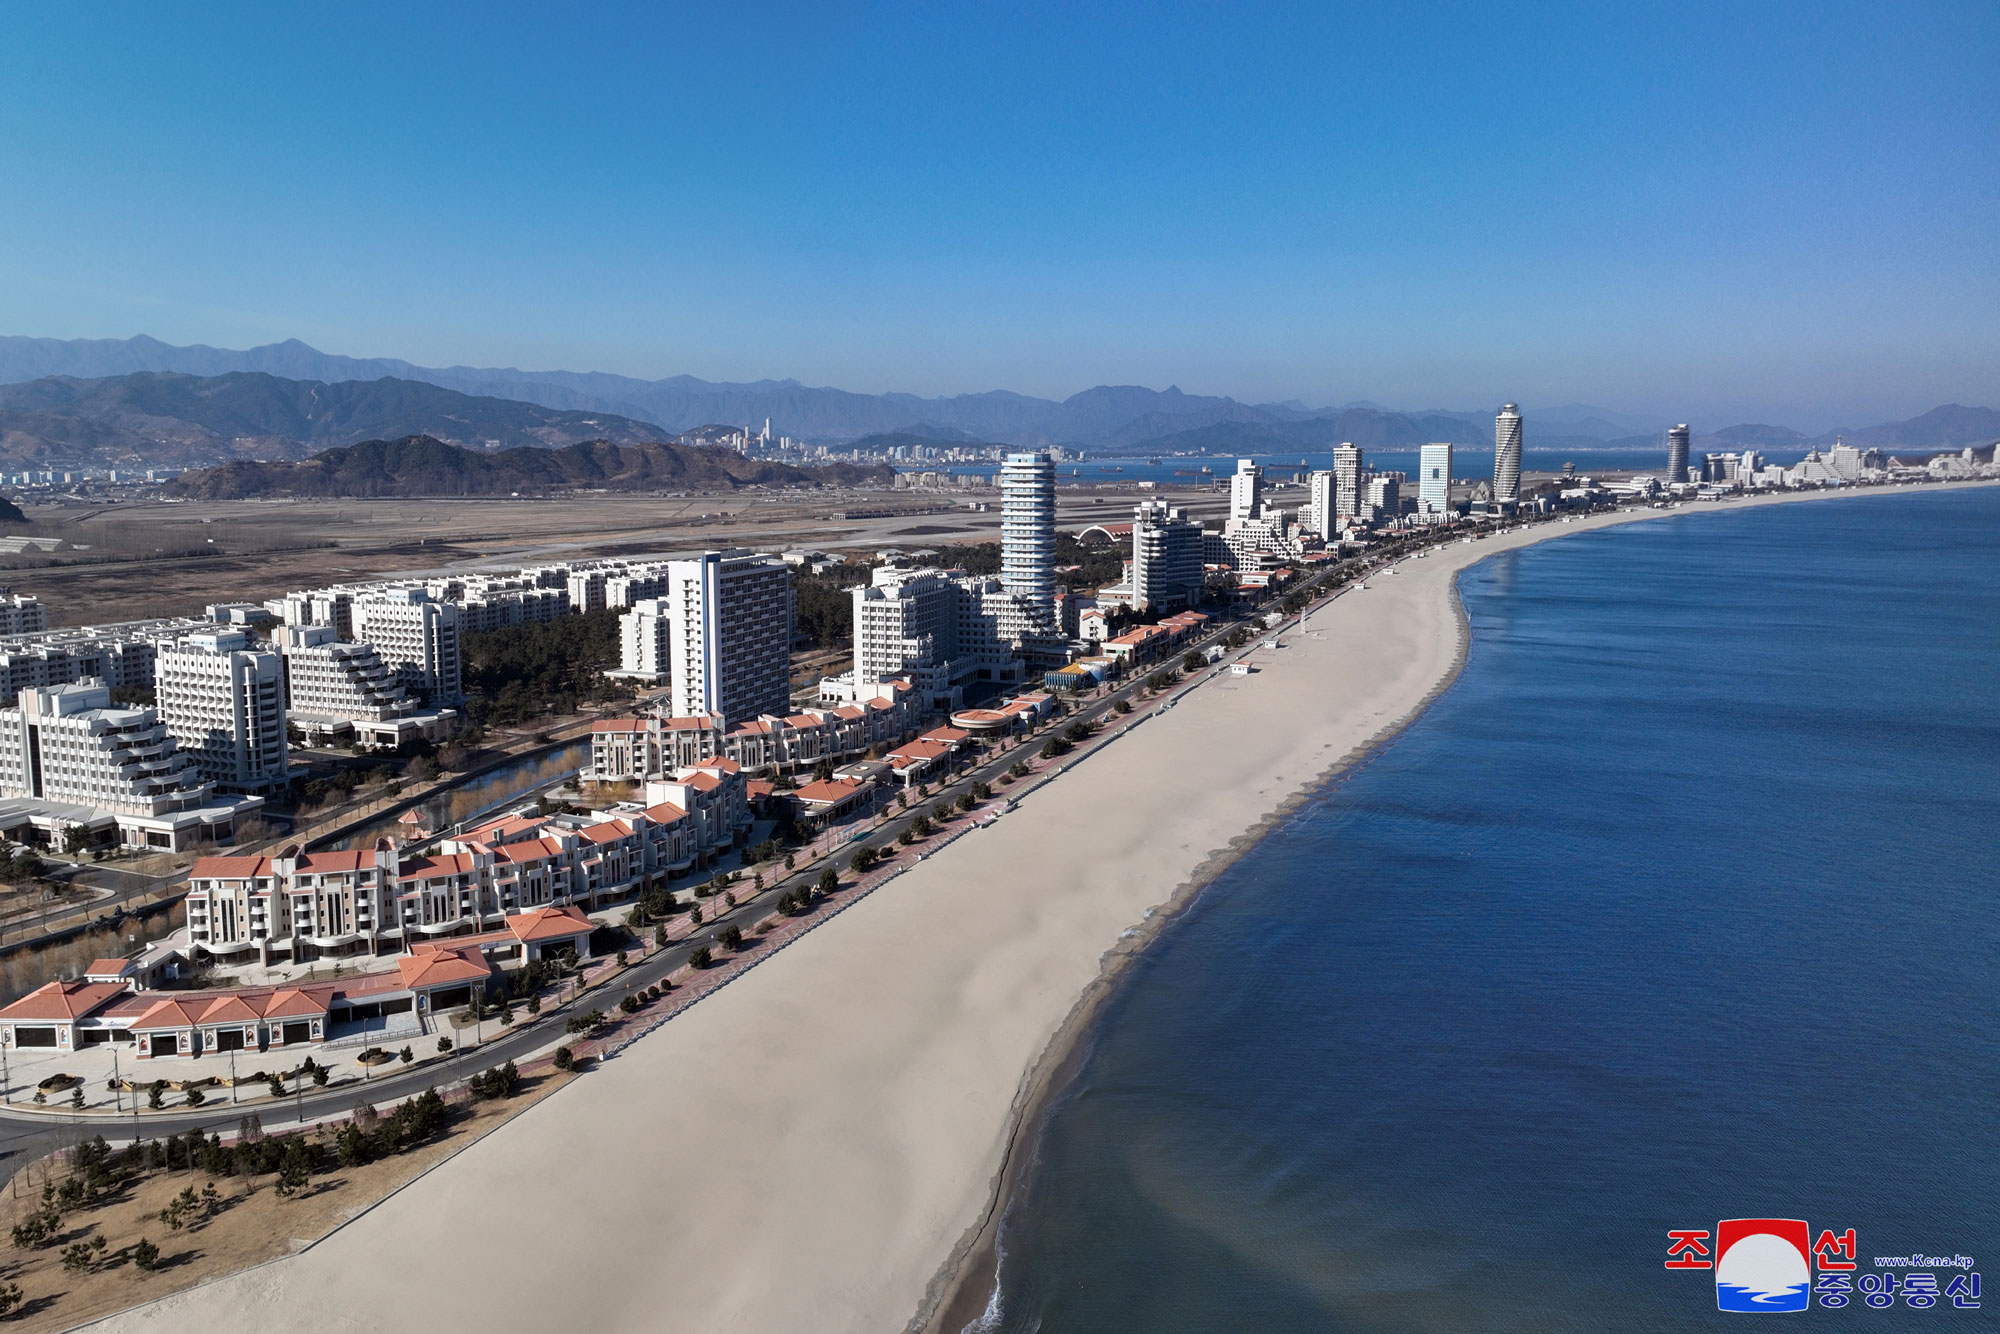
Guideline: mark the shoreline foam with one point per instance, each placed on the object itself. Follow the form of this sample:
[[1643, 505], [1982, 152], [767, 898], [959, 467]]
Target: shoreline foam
[[821, 1146]]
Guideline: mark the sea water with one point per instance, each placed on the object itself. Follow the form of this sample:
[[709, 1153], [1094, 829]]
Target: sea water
[[1680, 905]]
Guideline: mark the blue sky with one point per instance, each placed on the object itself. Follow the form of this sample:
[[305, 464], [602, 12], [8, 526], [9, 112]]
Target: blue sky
[[1785, 212]]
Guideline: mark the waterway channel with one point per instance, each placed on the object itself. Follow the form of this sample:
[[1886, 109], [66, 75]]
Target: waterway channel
[[489, 791]]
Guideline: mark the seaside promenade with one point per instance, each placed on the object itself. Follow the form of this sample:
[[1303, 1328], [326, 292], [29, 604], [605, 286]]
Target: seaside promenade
[[870, 1078]]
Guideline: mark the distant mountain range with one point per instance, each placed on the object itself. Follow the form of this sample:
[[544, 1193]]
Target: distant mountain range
[[157, 418], [503, 407], [423, 466], [1109, 416]]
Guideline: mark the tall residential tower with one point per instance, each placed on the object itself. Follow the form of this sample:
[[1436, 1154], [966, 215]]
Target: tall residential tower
[[1507, 456], [729, 635], [1434, 480], [1677, 454]]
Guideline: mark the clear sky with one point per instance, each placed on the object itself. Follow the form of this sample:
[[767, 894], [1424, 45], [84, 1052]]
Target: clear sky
[[1764, 211]]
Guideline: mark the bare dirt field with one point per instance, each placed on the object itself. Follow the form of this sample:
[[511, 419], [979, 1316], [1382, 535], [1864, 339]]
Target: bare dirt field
[[267, 548]]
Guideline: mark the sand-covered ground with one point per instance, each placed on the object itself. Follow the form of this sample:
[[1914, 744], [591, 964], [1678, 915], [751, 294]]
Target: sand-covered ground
[[808, 1147]]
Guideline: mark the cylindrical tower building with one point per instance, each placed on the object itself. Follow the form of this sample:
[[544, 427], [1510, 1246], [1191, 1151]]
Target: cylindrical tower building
[[1677, 453], [1507, 456], [1028, 528]]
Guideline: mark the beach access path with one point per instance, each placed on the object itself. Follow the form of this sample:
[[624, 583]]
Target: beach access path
[[811, 1147]]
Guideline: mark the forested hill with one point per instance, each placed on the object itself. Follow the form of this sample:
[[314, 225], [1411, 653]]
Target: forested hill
[[419, 465], [158, 419]]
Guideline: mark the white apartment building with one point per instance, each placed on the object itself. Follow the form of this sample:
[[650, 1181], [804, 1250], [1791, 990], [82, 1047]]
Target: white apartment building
[[224, 702], [729, 634], [645, 650], [1384, 497], [1322, 505], [304, 906], [119, 654], [1166, 557], [1028, 547], [938, 631], [68, 758], [21, 613], [419, 638], [1434, 480], [1347, 480], [335, 687], [1246, 490], [586, 590]]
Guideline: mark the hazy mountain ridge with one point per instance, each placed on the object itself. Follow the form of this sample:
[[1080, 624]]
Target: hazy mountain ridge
[[1128, 418], [676, 403], [423, 466], [167, 418]]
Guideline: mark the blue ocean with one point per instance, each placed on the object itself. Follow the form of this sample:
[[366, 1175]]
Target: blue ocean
[[1680, 905]]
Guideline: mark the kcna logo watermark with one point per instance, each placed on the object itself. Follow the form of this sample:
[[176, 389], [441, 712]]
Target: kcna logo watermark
[[1776, 1264]]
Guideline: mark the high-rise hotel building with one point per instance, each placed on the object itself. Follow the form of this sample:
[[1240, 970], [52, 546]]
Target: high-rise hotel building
[[1434, 479], [1677, 454], [1507, 456], [1347, 479], [1028, 546], [223, 701], [729, 635]]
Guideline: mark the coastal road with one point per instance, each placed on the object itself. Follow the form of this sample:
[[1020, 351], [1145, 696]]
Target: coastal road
[[30, 1133]]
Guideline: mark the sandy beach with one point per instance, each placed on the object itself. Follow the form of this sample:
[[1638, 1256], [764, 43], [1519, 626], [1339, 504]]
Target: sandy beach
[[817, 1146]]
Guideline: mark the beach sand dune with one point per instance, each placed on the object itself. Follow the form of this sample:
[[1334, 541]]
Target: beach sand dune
[[806, 1148]]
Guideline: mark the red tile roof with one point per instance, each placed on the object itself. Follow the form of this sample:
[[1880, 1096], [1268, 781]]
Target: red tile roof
[[62, 1001], [442, 967], [229, 868], [337, 861], [449, 863], [296, 1002], [549, 924], [171, 1014], [619, 725], [830, 791], [107, 967], [665, 812], [229, 1009]]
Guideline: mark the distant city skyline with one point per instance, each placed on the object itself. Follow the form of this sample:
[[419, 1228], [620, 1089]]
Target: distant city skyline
[[1707, 214]]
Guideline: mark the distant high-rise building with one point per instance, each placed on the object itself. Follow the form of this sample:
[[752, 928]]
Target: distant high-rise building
[[1347, 479], [1384, 497], [729, 635], [1322, 498], [1028, 548], [1507, 456], [1434, 479], [1166, 557], [1028, 526], [1677, 453], [1246, 490]]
